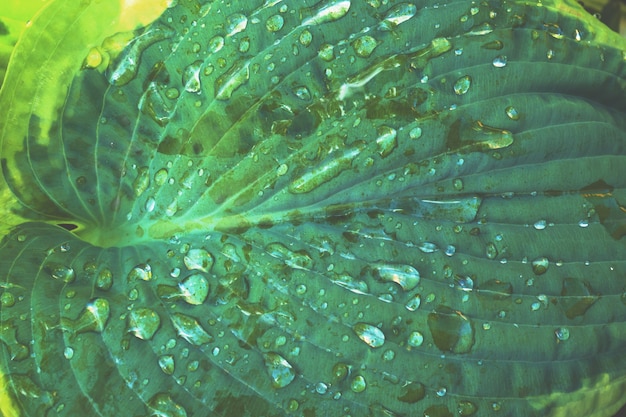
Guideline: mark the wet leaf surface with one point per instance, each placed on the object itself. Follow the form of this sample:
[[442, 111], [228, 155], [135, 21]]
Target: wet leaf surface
[[317, 209]]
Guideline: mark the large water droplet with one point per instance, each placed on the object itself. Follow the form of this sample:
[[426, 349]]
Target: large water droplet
[[404, 275], [189, 329], [371, 335], [92, 319], [297, 260], [274, 23], [194, 289], [358, 384], [162, 405], [364, 46], [466, 408], [540, 265], [396, 15], [61, 272], [500, 61], [216, 43], [8, 335], [451, 330], [281, 372], [191, 77], [324, 12], [167, 364], [140, 272], [142, 181], [143, 323], [198, 259], [386, 140], [462, 85], [236, 23]]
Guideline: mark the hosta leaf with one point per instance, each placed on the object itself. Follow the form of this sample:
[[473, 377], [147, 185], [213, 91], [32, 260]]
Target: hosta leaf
[[315, 208]]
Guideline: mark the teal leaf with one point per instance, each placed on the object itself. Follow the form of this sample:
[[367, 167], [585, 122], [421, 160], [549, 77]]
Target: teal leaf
[[317, 209]]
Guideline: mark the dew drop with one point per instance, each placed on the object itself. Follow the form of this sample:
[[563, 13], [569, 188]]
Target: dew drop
[[340, 371], [305, 38], [414, 303], [462, 85], [61, 272], [386, 140], [415, 133], [562, 333], [140, 272], [191, 77], [143, 323], [302, 92], [371, 335], [512, 113], [150, 204], [280, 371]]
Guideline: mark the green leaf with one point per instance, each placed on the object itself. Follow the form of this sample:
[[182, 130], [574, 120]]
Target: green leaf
[[315, 208]]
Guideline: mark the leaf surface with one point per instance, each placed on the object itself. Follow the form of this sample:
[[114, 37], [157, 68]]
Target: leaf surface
[[332, 208]]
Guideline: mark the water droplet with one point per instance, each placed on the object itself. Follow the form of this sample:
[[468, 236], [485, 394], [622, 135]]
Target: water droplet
[[554, 30], [281, 372], [191, 77], [236, 23], [491, 251], [194, 289], [198, 259], [540, 224], [302, 92], [321, 388], [386, 140], [330, 168], [499, 61], [540, 265], [142, 181], [405, 276], [427, 247], [450, 250], [92, 319], [305, 38], [340, 371], [236, 76], [275, 23], [397, 15], [7, 299], [68, 353], [464, 282], [364, 46], [297, 260], [451, 330], [61, 272], [166, 363], [162, 405], [326, 52], [324, 12], [371, 335], [140, 272], [415, 339], [414, 303], [189, 329], [143, 323], [160, 177], [8, 335], [415, 133], [441, 392], [216, 43], [462, 85], [358, 384], [512, 113], [562, 333]]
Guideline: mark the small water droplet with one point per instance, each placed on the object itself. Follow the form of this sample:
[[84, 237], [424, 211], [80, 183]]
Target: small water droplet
[[491, 251], [321, 388], [68, 353], [358, 384], [540, 265], [140, 272], [540, 224], [427, 247], [562, 333], [441, 392], [415, 133], [415, 339], [462, 85], [305, 38], [466, 408], [281, 372], [500, 61], [143, 323], [371, 335], [167, 364], [414, 302], [302, 92], [512, 113], [386, 140]]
